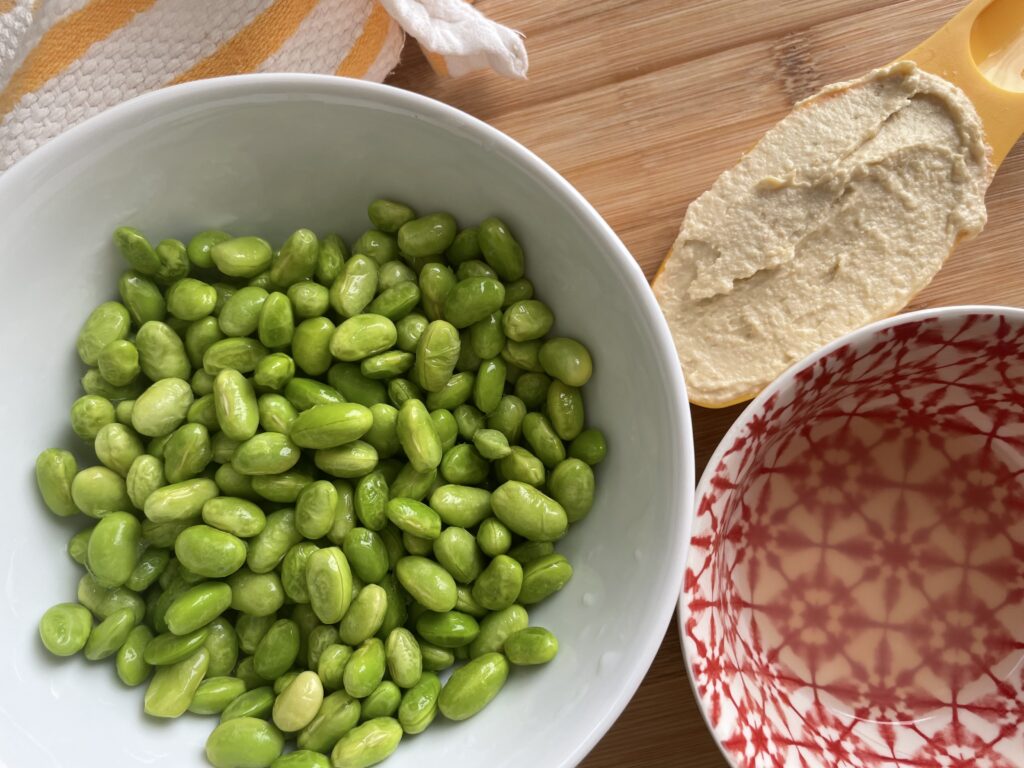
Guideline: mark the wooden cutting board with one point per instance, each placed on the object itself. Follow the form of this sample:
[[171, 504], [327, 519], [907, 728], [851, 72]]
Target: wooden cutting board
[[641, 104]]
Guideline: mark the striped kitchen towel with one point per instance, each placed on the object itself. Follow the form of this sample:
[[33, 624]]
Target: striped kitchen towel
[[62, 61]]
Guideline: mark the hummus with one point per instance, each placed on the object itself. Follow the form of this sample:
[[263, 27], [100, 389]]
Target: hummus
[[839, 215]]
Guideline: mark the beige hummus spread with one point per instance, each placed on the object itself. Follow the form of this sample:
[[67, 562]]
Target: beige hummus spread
[[840, 214]]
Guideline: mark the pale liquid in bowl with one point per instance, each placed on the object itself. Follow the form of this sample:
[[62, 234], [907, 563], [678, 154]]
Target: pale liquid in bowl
[[886, 562]]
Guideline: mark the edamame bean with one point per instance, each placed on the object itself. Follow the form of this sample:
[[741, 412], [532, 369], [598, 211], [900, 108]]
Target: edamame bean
[[493, 537], [396, 302], [283, 488], [428, 235], [162, 353], [428, 583], [274, 371], [463, 465], [508, 417], [215, 693], [187, 452], [55, 472], [118, 362], [209, 552], [299, 703], [110, 634], [474, 268], [314, 510], [565, 409], [114, 548], [78, 545], [198, 248], [109, 322], [418, 707], [362, 336], [461, 505], [305, 393], [364, 616], [489, 386], [487, 336], [329, 582], [268, 548], [331, 666], [353, 459], [241, 354], [89, 414], [436, 659], [436, 354], [456, 549], [379, 246], [473, 686], [297, 259], [389, 216], [252, 627], [162, 407], [145, 475], [473, 299], [566, 360], [527, 320], [174, 263], [132, 668], [338, 714], [409, 330], [311, 345], [393, 273], [167, 649], [589, 446], [276, 324], [277, 650], [180, 501], [531, 646], [142, 297], [500, 249], [98, 491], [190, 299], [418, 437], [541, 437], [498, 586], [328, 426], [524, 355], [257, 701], [572, 485], [242, 256], [453, 629], [330, 259], [414, 517], [543, 577], [368, 557], [365, 669], [65, 628], [383, 702], [266, 453], [244, 742], [308, 299], [222, 643], [496, 628], [491, 444], [367, 744], [355, 287], [529, 512]]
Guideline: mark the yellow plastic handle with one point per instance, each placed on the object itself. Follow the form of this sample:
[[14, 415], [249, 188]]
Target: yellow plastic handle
[[984, 34]]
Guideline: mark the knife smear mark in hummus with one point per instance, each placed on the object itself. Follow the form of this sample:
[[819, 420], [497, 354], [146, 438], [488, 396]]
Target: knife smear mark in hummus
[[840, 214]]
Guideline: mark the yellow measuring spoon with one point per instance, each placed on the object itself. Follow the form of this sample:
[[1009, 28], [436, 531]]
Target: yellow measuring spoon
[[981, 50]]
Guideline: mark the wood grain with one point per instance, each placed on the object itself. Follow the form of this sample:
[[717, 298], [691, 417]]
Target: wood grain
[[641, 104]]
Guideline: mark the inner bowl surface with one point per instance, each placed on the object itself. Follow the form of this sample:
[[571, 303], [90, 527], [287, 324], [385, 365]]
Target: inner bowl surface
[[268, 154], [855, 583]]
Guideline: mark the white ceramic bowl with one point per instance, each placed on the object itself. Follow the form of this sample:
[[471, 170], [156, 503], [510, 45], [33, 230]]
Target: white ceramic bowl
[[268, 154]]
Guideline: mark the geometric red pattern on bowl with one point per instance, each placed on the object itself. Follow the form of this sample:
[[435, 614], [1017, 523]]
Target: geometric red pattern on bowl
[[854, 590]]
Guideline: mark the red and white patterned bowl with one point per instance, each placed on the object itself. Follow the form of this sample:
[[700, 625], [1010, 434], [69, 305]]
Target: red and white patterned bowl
[[854, 590]]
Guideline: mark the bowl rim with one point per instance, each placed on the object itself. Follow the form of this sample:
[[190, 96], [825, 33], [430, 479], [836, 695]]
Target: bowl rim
[[200, 92], [755, 405]]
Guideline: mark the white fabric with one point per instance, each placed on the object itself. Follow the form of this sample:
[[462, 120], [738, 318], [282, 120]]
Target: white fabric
[[466, 38], [170, 37]]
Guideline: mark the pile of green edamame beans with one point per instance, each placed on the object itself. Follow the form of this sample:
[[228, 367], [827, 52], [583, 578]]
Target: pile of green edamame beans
[[323, 478]]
